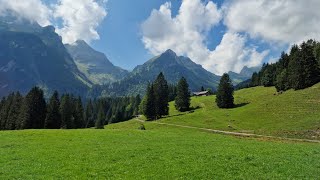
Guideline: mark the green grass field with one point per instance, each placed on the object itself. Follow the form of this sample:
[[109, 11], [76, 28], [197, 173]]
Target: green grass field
[[291, 114], [122, 151]]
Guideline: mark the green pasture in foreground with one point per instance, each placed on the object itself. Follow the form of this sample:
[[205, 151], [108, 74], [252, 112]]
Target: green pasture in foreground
[[121, 151], [259, 110], [160, 152]]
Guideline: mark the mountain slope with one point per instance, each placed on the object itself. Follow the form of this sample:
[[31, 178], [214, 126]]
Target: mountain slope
[[173, 68], [31, 55], [95, 65]]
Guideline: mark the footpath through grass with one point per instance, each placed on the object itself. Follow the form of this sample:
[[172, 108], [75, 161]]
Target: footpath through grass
[[259, 110], [123, 152]]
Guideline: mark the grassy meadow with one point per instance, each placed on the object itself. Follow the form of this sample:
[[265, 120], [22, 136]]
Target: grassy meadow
[[259, 110], [122, 151], [160, 152]]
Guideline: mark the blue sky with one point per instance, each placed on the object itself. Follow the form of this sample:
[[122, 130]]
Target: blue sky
[[120, 32], [221, 35]]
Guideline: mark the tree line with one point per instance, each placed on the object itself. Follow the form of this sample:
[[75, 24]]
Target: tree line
[[297, 70], [155, 103], [66, 112]]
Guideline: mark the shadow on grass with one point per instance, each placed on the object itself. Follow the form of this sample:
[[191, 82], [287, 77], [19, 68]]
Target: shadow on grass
[[240, 105], [191, 110]]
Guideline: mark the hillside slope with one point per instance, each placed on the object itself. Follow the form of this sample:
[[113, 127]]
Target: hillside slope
[[259, 110]]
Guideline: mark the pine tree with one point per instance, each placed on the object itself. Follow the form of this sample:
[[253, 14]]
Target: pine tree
[[53, 118], [66, 112], [33, 110], [13, 113], [24, 121], [89, 117], [310, 64], [224, 98], [182, 101], [5, 111], [101, 118], [161, 95], [202, 88], [282, 81], [255, 81], [78, 114], [136, 103], [148, 104]]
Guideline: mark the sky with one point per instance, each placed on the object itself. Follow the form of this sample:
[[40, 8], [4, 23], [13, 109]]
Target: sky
[[221, 35]]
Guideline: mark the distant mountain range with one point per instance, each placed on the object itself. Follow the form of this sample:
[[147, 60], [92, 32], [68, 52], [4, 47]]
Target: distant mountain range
[[32, 55], [95, 65], [173, 68], [245, 74]]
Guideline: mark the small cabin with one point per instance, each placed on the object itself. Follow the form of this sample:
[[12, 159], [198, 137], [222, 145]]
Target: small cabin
[[202, 93]]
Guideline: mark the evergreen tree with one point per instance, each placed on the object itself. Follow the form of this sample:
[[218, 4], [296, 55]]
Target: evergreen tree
[[202, 88], [282, 81], [13, 113], [224, 98], [24, 115], [78, 114], [101, 118], [53, 118], [5, 111], [33, 110], [148, 104], [136, 103], [255, 81], [310, 64], [316, 52], [66, 112], [161, 95], [89, 117], [182, 101], [296, 79]]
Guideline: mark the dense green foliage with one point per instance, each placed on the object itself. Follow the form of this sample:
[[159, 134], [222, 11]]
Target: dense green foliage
[[182, 101], [161, 96], [67, 112], [53, 117], [155, 103], [225, 92], [297, 70]]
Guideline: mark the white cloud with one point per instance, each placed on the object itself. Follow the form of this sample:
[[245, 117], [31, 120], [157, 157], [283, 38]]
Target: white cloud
[[284, 21], [232, 54], [187, 32], [33, 10], [80, 19]]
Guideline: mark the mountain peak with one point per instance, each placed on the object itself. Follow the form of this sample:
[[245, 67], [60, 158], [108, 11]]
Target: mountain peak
[[80, 43], [170, 52]]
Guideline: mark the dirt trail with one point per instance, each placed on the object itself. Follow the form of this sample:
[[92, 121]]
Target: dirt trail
[[234, 133]]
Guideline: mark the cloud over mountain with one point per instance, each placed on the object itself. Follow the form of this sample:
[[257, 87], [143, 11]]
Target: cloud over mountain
[[33, 10], [79, 19], [186, 34]]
